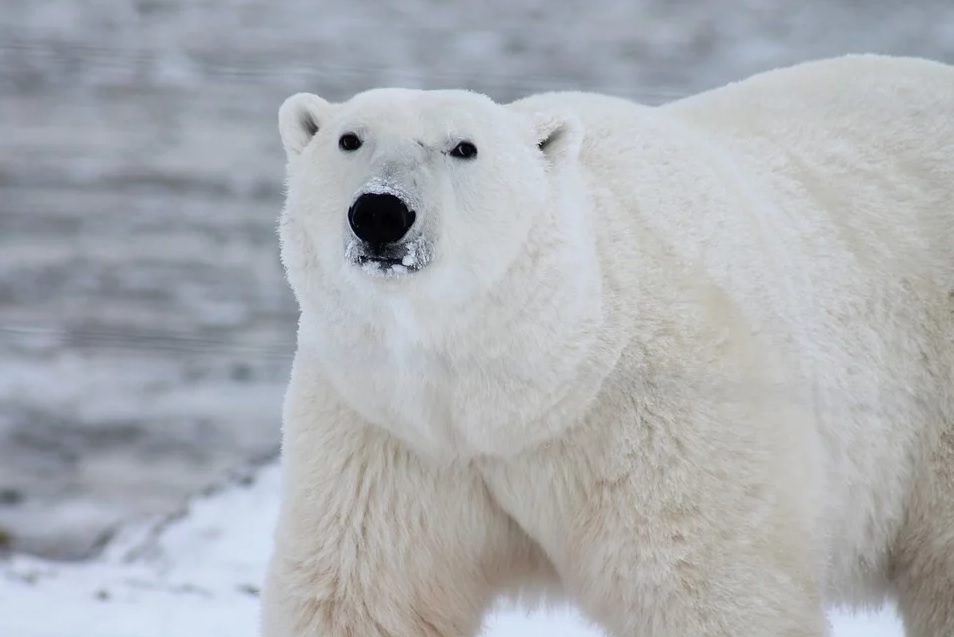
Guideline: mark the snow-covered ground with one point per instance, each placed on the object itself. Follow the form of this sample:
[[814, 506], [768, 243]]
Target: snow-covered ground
[[198, 575]]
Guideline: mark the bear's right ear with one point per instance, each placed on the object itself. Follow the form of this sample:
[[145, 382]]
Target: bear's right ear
[[558, 133], [299, 119]]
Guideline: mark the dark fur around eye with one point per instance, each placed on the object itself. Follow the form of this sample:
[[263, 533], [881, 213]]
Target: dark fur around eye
[[464, 150], [349, 142]]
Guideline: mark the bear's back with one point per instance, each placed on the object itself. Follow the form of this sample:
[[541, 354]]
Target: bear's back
[[853, 158], [819, 197], [868, 138]]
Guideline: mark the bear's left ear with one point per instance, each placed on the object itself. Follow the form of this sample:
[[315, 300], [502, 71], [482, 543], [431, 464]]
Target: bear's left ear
[[299, 119], [559, 134]]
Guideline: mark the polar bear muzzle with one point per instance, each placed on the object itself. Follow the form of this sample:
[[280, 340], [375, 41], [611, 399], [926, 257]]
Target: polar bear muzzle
[[380, 244]]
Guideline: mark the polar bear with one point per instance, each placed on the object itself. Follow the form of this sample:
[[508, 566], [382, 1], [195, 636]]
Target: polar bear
[[690, 367]]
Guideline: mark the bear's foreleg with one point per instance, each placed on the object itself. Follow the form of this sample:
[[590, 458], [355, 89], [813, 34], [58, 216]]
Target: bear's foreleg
[[374, 542]]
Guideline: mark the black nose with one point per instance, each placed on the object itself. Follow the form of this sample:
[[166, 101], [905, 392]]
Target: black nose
[[380, 219]]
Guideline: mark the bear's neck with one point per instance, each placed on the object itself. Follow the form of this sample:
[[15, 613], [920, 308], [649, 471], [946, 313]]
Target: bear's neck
[[521, 366]]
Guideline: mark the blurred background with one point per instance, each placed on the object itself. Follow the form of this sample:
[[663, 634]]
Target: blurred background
[[146, 329]]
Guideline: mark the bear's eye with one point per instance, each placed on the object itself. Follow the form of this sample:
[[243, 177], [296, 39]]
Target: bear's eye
[[349, 142], [464, 150]]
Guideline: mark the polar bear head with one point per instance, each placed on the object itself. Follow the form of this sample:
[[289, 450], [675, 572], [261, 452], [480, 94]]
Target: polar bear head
[[441, 247], [429, 195]]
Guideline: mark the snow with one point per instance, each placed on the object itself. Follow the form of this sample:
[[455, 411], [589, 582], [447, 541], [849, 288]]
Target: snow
[[198, 573]]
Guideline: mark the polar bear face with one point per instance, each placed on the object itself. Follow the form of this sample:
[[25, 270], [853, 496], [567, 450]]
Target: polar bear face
[[426, 194], [436, 244]]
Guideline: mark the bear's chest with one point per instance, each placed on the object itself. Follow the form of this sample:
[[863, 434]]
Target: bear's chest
[[444, 408], [408, 392]]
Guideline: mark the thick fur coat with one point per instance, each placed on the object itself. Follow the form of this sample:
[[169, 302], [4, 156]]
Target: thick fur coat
[[689, 366]]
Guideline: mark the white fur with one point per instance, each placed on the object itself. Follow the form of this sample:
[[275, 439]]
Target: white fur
[[692, 366]]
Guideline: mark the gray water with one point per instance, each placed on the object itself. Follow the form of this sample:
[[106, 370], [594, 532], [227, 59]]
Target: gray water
[[145, 326]]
